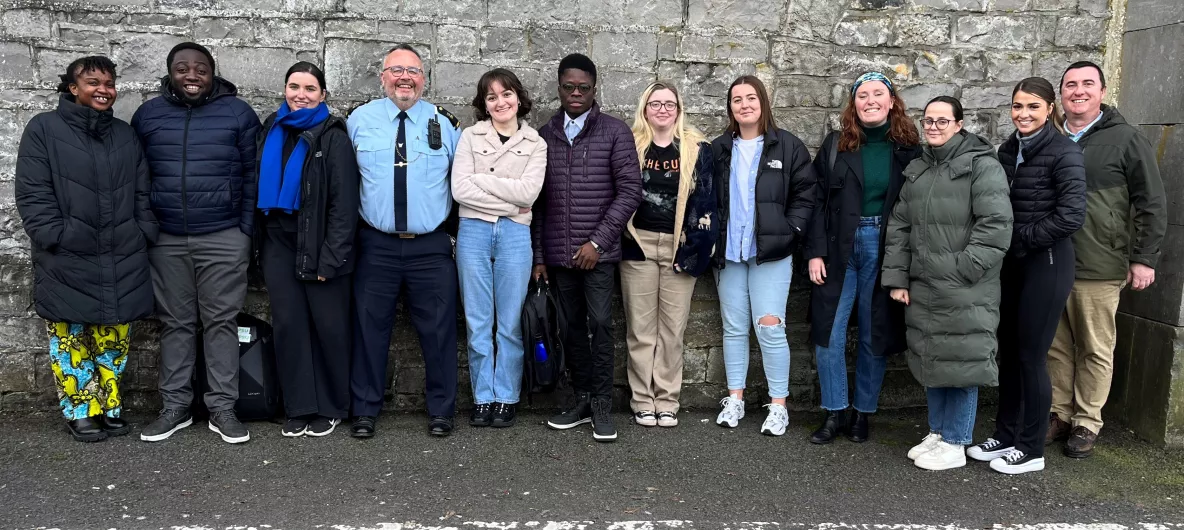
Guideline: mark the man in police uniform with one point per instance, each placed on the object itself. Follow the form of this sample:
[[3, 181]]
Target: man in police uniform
[[405, 148]]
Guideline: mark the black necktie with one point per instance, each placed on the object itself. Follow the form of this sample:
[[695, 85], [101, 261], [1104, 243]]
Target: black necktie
[[401, 176]]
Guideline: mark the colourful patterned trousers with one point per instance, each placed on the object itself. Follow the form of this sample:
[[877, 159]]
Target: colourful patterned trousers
[[87, 362]]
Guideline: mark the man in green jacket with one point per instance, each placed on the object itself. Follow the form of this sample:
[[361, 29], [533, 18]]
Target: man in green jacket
[[1124, 194]]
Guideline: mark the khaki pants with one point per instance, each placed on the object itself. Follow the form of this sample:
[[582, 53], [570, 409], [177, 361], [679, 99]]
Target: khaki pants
[[1081, 359], [657, 304]]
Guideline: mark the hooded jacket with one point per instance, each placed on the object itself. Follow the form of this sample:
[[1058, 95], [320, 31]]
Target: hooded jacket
[[946, 240], [202, 158], [82, 193]]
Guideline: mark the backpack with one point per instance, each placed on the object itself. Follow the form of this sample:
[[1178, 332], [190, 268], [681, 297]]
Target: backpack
[[259, 395], [544, 367]]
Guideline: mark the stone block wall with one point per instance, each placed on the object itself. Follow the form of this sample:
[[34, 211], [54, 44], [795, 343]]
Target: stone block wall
[[806, 51]]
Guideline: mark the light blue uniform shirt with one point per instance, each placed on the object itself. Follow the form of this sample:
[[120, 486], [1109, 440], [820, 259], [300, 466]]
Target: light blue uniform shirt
[[742, 199], [373, 128], [1075, 136]]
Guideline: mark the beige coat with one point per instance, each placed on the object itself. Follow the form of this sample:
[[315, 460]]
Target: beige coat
[[491, 179]]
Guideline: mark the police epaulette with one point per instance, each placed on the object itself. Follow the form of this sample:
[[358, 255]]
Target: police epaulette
[[444, 112]]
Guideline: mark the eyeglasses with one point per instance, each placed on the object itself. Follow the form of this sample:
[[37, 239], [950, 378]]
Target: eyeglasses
[[569, 88], [940, 123], [397, 70], [670, 106]]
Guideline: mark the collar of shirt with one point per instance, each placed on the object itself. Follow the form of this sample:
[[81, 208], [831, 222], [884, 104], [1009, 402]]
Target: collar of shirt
[[419, 113], [578, 119], [1075, 136]]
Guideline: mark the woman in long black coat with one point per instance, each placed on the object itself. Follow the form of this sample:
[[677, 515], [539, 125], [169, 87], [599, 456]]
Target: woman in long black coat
[[82, 193]]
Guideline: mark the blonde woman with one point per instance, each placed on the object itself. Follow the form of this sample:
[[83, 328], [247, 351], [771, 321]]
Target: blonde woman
[[666, 245]]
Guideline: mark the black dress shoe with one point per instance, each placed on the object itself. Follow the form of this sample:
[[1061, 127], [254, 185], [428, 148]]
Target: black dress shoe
[[858, 431], [504, 414], [363, 427], [87, 430], [834, 425], [482, 415], [440, 426], [114, 426]]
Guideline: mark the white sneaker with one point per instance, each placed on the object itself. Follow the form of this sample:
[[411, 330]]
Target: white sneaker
[[733, 410], [988, 450], [943, 456], [667, 419], [927, 444], [645, 418], [776, 421], [1016, 462]]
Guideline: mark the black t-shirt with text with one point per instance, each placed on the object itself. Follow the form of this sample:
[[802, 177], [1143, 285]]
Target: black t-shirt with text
[[659, 190]]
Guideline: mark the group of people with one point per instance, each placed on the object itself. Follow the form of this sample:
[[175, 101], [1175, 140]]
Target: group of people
[[987, 268]]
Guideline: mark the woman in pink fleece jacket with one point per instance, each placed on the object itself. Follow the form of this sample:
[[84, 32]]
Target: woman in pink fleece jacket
[[496, 176]]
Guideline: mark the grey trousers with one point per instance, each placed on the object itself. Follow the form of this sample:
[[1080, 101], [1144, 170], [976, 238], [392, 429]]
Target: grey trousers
[[204, 278]]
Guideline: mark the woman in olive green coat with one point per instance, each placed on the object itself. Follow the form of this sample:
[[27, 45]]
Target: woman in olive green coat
[[945, 246]]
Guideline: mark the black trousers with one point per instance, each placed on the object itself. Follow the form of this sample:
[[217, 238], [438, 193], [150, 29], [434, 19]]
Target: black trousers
[[586, 298], [312, 331], [1035, 289], [388, 264]]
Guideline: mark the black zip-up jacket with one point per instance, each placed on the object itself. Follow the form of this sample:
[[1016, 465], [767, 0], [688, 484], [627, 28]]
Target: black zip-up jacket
[[1047, 189], [202, 159], [784, 195], [82, 193], [328, 215]]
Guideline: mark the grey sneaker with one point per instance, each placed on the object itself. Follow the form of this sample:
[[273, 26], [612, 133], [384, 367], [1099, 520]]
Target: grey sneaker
[[226, 424], [169, 422]]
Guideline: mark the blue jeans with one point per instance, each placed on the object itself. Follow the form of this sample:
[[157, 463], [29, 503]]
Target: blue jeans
[[951, 413], [494, 262], [858, 284], [747, 292]]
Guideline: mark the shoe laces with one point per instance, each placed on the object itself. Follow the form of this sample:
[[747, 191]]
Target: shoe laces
[[990, 444], [500, 408], [1013, 456], [601, 407], [482, 408], [224, 416], [731, 407], [777, 412]]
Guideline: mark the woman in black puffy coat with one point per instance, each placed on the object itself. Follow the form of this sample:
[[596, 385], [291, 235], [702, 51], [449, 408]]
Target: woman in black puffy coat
[[1046, 171], [82, 192]]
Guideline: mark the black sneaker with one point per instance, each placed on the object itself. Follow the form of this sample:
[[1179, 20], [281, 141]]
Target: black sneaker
[[1016, 462], [504, 414], [226, 424], [603, 429], [577, 413], [482, 415], [294, 427], [988, 450], [169, 422], [322, 426]]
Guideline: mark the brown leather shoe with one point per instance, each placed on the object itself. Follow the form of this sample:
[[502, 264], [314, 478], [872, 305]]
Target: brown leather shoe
[[1081, 443], [1058, 430]]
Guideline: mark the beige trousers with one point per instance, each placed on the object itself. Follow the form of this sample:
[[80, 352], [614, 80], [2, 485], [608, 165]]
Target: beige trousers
[[1081, 359], [657, 304]]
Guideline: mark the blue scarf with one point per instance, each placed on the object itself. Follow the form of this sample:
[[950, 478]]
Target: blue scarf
[[279, 183]]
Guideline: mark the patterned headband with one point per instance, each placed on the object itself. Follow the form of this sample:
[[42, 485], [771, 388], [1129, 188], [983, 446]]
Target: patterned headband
[[873, 76]]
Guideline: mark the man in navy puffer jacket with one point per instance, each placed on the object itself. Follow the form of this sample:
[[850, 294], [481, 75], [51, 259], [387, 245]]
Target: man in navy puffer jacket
[[199, 139]]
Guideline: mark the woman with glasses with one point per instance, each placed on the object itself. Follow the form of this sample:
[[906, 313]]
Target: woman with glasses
[[859, 178], [496, 177], [666, 245], [946, 240], [765, 188], [1046, 171]]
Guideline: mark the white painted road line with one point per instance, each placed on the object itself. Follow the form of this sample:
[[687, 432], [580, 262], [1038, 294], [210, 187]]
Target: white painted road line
[[691, 525]]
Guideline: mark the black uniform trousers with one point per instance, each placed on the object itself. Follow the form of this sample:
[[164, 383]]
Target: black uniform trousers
[[424, 266], [1035, 289], [312, 330], [585, 297]]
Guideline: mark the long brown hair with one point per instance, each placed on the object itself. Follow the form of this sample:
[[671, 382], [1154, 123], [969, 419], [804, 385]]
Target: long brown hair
[[1041, 88], [762, 95], [901, 130]]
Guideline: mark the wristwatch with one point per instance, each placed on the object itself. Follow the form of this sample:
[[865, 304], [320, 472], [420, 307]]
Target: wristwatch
[[597, 247]]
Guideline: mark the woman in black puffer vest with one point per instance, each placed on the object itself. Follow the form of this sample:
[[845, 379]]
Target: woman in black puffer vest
[[1046, 171]]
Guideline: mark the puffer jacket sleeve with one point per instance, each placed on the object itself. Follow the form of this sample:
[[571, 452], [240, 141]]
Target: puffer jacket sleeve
[[518, 191], [145, 219], [800, 206], [341, 215], [464, 184], [1147, 198], [702, 221], [898, 248], [35, 199], [248, 133], [990, 207], [626, 171], [815, 246], [1068, 175]]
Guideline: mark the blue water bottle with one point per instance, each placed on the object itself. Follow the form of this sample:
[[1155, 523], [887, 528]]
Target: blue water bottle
[[540, 351]]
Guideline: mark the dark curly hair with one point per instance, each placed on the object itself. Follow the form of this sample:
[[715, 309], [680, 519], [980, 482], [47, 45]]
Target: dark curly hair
[[507, 80], [86, 64]]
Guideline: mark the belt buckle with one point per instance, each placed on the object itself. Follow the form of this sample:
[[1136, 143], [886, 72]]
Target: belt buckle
[[404, 235]]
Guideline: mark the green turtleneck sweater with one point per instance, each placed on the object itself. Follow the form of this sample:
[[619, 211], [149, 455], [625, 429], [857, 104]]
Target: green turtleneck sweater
[[877, 164]]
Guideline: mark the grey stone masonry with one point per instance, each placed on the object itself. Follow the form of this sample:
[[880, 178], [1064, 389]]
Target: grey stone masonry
[[806, 51]]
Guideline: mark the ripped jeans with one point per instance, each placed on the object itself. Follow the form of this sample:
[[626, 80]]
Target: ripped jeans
[[748, 292]]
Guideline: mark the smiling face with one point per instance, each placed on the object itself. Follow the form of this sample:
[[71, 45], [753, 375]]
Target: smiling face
[[577, 91], [936, 114], [661, 110], [1029, 112], [745, 105], [191, 75], [404, 88], [303, 91], [501, 103], [94, 89], [872, 103], [1082, 93]]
